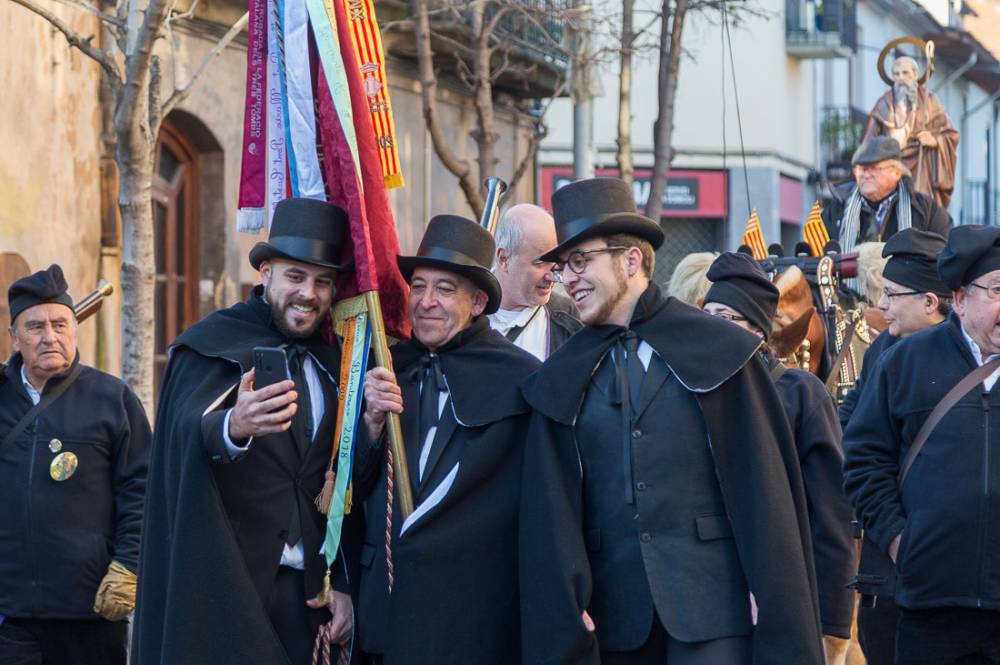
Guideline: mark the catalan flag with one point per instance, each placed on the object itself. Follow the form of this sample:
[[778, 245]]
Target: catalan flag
[[815, 232], [753, 237]]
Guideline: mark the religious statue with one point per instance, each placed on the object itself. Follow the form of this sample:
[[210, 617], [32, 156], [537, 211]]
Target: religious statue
[[915, 117]]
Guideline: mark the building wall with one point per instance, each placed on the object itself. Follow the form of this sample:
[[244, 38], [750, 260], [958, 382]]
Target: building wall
[[50, 134]]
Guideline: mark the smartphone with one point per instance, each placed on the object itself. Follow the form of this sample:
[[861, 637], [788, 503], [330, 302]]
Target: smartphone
[[271, 366]]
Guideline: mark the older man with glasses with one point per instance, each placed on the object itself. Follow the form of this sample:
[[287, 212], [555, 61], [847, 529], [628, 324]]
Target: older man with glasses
[[661, 483], [882, 200], [922, 465]]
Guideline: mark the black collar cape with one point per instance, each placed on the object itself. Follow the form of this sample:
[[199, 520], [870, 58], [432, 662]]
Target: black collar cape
[[233, 333], [196, 600], [483, 371], [678, 333], [756, 464]]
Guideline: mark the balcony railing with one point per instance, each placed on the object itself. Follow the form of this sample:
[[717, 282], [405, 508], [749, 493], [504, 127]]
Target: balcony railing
[[820, 28], [840, 131]]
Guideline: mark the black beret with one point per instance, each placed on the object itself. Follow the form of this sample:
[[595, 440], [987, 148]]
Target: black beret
[[739, 282], [45, 286], [913, 255], [876, 149], [972, 251]]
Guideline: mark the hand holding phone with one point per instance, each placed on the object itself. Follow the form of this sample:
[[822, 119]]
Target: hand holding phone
[[265, 402]]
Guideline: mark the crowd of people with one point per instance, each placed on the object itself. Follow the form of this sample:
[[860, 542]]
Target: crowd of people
[[600, 473]]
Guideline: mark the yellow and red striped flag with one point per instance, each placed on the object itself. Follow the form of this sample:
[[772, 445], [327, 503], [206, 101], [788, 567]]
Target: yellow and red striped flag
[[753, 237], [814, 232]]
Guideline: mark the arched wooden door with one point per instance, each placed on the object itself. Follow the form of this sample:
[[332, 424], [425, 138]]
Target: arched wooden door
[[175, 233]]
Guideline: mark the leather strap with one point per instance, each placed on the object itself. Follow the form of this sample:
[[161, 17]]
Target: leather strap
[[43, 404], [961, 389]]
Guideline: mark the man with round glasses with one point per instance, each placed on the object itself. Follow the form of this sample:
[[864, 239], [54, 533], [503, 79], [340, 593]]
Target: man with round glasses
[[936, 514], [661, 485]]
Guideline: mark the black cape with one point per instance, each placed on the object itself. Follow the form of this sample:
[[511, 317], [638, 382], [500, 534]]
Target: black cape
[[756, 462], [196, 600], [455, 594]]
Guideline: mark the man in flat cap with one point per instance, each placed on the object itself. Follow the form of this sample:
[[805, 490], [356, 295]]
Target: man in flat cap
[[74, 447], [920, 466], [742, 293], [231, 564], [882, 199], [454, 580], [661, 483], [532, 314], [913, 299]]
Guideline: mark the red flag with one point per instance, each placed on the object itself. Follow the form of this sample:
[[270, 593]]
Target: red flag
[[375, 244]]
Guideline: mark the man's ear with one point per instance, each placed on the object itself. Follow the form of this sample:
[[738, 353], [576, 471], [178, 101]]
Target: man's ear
[[479, 303], [265, 271], [634, 257]]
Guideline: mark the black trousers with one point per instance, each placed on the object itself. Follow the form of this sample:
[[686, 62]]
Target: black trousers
[[286, 607], [662, 649], [948, 636], [877, 629], [62, 642]]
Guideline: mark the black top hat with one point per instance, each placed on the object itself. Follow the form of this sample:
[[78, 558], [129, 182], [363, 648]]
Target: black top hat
[[597, 207], [461, 246], [876, 149], [304, 230], [45, 286]]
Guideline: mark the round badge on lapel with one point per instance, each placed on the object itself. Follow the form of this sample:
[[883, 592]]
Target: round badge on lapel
[[55, 445], [63, 466]]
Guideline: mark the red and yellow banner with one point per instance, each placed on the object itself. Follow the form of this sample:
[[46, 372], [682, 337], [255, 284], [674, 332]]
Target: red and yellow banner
[[814, 232], [371, 61], [753, 237]]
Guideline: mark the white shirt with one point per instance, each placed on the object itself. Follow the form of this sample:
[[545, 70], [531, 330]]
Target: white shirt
[[977, 354], [535, 337], [293, 557], [35, 396]]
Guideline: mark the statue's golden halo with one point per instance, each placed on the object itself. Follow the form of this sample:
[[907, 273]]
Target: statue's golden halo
[[926, 48]]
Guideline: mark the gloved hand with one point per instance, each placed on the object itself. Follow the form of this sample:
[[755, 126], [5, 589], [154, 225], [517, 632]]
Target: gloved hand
[[116, 593]]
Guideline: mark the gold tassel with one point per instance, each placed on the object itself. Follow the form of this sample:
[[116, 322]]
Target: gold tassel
[[325, 498], [324, 594], [349, 499]]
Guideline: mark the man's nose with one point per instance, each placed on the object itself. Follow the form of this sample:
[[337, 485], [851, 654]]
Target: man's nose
[[308, 289], [551, 276], [428, 299], [883, 303]]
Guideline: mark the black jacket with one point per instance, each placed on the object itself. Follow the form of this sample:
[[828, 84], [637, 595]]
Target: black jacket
[[455, 594], [927, 215], [947, 509], [214, 530], [716, 397], [813, 418], [868, 364], [57, 538]]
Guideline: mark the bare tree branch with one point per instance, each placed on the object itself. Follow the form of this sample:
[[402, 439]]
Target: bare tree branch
[[129, 113], [180, 94], [75, 39], [94, 11], [459, 167]]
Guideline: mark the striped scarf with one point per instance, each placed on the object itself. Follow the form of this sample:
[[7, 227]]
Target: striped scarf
[[850, 223]]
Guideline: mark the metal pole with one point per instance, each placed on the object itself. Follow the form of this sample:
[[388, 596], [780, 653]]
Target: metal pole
[[583, 97]]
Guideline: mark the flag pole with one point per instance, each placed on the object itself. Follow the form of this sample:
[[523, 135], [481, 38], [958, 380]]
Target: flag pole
[[380, 346]]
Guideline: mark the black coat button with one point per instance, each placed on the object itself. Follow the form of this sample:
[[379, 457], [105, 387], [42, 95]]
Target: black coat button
[[636, 433], [645, 537], [640, 486]]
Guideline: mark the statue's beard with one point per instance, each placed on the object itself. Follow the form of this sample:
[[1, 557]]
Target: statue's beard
[[905, 93]]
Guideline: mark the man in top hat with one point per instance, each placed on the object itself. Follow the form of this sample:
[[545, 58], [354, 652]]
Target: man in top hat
[[661, 483], [231, 564], [531, 315], [934, 513], [882, 199], [913, 298], [454, 597], [74, 447], [742, 293]]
